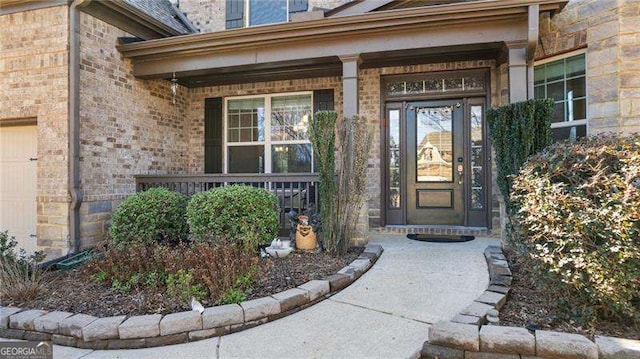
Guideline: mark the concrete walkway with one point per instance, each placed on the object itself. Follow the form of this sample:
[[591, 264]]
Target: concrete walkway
[[384, 314]]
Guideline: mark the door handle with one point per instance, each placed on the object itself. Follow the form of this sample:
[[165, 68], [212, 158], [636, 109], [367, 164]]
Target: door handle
[[460, 169]]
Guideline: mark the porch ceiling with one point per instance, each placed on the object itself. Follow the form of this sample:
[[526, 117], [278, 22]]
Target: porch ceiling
[[470, 30]]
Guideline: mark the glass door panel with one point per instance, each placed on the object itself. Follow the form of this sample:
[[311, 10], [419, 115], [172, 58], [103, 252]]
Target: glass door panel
[[434, 146]]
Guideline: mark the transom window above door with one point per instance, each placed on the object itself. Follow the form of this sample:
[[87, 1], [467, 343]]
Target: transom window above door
[[269, 134], [244, 13]]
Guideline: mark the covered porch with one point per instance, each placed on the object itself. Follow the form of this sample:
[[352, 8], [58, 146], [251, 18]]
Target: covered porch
[[349, 55]]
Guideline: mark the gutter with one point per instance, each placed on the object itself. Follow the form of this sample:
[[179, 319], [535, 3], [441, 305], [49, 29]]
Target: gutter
[[74, 127]]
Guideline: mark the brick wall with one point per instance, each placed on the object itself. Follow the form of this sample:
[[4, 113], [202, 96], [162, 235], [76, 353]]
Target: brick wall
[[209, 15], [608, 30], [33, 66], [128, 126]]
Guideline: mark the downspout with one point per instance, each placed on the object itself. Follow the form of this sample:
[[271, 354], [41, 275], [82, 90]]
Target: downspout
[[74, 126], [532, 43]]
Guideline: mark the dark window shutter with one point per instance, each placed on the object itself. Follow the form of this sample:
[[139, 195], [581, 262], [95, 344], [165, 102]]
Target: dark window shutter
[[323, 100], [298, 6], [213, 135], [235, 13]]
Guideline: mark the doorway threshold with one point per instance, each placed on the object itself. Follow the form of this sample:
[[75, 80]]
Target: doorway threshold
[[435, 229]]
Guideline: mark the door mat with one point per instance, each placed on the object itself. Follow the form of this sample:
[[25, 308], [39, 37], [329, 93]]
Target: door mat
[[440, 238]]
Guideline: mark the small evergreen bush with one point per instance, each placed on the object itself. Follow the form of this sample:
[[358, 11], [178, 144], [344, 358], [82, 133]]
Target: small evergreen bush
[[155, 215], [518, 130], [236, 214], [577, 219]]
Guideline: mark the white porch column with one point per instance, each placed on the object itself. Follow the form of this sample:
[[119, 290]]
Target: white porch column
[[350, 98], [518, 71]]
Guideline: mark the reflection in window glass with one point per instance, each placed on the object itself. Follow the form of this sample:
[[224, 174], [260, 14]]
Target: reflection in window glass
[[291, 158], [269, 134], [434, 144], [290, 117], [477, 157], [394, 159], [267, 12], [436, 85]]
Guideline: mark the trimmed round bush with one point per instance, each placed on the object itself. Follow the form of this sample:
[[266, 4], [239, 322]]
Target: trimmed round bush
[[155, 215], [577, 219], [242, 215]]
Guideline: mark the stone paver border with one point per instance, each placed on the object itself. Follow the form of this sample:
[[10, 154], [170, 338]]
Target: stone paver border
[[467, 337], [145, 331]]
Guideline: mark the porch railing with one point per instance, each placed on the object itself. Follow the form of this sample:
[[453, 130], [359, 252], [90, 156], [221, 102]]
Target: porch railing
[[294, 191]]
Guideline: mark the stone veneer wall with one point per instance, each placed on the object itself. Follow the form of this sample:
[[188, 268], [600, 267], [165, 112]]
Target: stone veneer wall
[[128, 126], [609, 31], [210, 15], [33, 66]]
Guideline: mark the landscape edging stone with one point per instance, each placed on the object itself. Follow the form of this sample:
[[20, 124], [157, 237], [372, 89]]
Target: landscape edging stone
[[446, 345], [69, 329]]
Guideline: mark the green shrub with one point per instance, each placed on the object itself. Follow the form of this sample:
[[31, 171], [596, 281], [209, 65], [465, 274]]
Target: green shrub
[[577, 218], [155, 215], [518, 130], [242, 215]]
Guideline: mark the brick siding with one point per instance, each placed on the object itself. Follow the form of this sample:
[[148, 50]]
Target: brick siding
[[33, 64]]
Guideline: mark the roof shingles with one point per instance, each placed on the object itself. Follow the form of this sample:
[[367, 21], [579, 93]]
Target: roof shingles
[[163, 11]]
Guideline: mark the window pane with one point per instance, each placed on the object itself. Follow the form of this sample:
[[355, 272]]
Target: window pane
[[558, 112], [577, 110], [576, 88], [539, 75], [555, 71], [556, 91], [575, 66], [267, 11], [539, 92], [572, 132], [246, 159], [290, 117], [451, 84], [434, 145], [291, 158], [245, 120]]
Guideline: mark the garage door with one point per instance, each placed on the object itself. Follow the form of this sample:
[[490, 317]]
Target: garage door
[[18, 154]]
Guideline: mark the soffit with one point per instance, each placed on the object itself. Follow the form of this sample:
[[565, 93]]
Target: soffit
[[440, 32]]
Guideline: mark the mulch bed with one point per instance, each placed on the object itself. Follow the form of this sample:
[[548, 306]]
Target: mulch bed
[[530, 305], [75, 292]]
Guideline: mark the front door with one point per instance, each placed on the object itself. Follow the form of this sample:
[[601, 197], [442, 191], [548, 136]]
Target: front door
[[436, 163]]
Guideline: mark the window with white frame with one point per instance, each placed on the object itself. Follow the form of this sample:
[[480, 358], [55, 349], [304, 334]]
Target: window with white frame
[[243, 13], [269, 133], [564, 80]]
